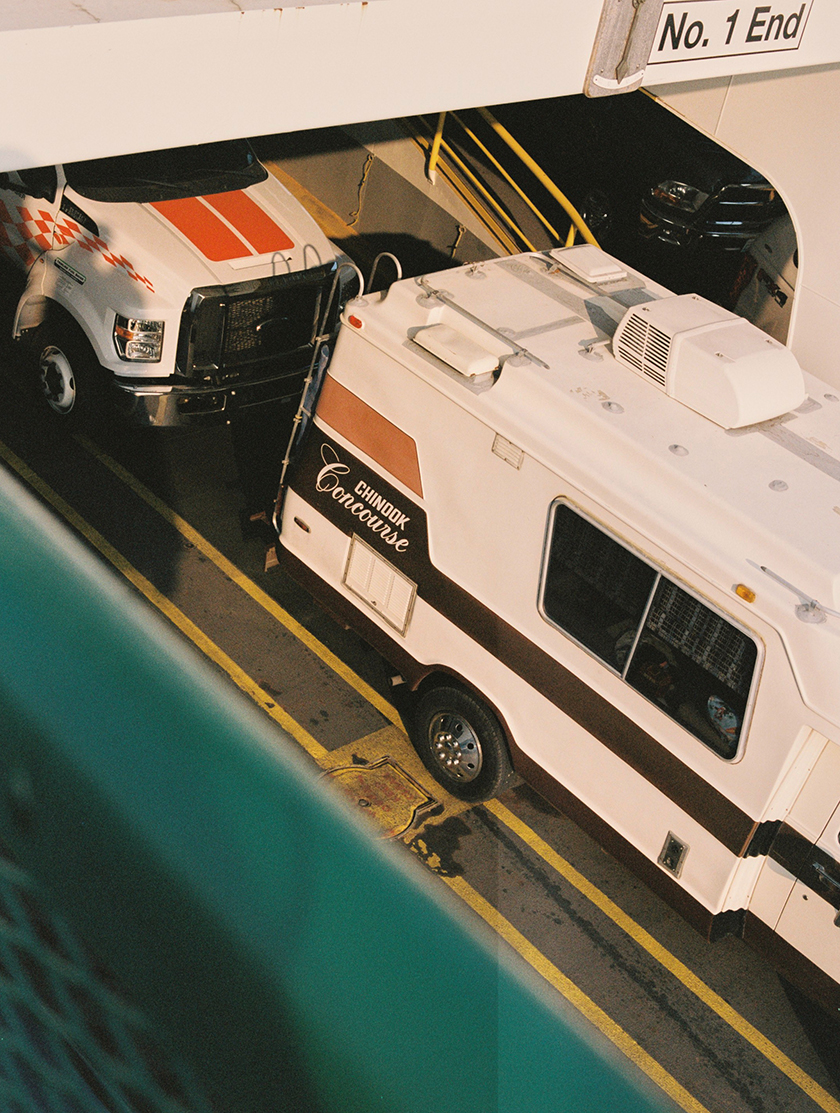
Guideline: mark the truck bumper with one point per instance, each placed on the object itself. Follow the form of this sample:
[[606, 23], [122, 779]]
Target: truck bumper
[[164, 403], [686, 235]]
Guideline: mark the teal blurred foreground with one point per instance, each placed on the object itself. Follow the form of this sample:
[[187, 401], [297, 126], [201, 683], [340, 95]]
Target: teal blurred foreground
[[190, 922]]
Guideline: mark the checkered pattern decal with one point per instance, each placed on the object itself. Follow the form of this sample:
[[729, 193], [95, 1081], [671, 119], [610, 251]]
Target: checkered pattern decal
[[22, 227], [19, 229]]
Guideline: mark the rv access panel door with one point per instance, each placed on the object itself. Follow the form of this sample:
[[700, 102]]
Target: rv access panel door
[[810, 919]]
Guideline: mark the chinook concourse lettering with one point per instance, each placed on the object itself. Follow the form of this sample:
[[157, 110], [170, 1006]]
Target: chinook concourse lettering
[[380, 503], [327, 482]]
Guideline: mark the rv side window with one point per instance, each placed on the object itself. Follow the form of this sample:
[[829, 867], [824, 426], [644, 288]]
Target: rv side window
[[672, 648]]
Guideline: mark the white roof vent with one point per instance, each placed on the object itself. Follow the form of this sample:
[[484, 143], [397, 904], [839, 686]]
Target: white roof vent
[[589, 263], [710, 360], [462, 353]]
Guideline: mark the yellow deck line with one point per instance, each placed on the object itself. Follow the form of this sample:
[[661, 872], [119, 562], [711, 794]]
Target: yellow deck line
[[669, 961], [262, 598], [575, 996], [748, 1032]]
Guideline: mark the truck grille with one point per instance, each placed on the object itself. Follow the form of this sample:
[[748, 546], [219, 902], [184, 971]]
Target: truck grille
[[279, 322], [254, 330]]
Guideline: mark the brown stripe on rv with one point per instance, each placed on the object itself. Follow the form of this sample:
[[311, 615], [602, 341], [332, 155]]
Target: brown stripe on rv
[[615, 730], [808, 863], [368, 430]]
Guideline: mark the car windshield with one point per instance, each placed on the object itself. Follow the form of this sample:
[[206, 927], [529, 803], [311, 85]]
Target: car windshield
[[169, 174]]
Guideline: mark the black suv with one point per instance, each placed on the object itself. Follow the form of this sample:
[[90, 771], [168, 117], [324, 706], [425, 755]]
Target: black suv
[[710, 196]]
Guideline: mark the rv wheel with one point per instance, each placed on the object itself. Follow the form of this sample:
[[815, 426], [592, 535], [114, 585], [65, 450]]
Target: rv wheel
[[462, 744], [68, 376]]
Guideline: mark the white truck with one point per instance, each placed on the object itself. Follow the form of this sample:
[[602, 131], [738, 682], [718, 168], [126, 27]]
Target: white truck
[[596, 527], [183, 283]]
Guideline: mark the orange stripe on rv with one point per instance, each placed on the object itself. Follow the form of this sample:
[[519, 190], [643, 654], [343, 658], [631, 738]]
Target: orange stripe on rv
[[250, 221], [203, 228], [369, 431]]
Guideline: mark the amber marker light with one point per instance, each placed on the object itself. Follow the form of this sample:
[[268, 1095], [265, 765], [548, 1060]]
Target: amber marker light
[[745, 593]]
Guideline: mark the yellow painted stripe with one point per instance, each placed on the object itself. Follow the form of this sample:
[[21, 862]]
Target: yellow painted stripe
[[575, 996], [165, 606], [669, 961], [247, 585]]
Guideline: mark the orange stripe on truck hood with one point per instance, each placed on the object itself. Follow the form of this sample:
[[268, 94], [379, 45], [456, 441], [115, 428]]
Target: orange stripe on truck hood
[[245, 230], [252, 222]]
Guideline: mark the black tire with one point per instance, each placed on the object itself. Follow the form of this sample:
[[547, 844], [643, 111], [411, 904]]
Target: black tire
[[462, 744], [70, 385]]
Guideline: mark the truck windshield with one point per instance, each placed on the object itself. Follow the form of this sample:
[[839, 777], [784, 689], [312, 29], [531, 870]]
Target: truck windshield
[[167, 175]]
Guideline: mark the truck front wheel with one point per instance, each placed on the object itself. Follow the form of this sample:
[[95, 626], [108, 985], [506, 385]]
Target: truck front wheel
[[462, 744], [68, 377]]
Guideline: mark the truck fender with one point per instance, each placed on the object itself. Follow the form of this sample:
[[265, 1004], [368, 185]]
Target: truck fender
[[41, 308], [43, 298], [38, 309], [31, 311], [33, 303]]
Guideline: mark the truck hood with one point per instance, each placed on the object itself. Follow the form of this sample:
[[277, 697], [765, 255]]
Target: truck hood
[[170, 247]]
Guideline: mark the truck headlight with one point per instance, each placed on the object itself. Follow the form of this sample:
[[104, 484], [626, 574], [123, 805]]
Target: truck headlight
[[138, 341], [680, 195]]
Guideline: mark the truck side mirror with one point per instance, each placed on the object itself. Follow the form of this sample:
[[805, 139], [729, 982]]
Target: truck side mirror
[[40, 182]]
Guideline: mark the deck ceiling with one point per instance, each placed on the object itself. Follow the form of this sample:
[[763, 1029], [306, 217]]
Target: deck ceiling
[[99, 77], [86, 78]]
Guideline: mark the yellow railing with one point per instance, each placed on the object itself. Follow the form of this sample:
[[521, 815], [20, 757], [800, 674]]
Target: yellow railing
[[474, 193], [470, 180]]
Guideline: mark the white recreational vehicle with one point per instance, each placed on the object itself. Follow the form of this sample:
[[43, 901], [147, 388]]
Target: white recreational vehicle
[[596, 527]]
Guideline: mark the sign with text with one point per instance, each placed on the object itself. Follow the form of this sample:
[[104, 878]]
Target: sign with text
[[690, 30]]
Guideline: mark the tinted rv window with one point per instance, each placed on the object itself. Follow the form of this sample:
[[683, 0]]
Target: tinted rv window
[[665, 642]]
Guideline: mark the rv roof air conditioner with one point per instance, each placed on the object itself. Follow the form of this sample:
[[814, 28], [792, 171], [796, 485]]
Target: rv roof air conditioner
[[710, 360]]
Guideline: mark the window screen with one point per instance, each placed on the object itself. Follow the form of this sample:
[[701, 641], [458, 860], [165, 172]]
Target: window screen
[[672, 648]]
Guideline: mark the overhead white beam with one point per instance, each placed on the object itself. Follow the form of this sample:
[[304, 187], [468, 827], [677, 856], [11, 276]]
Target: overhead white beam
[[20, 15], [86, 78]]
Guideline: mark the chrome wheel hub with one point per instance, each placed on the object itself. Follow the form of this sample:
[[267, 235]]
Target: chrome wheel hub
[[57, 380], [455, 746]]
